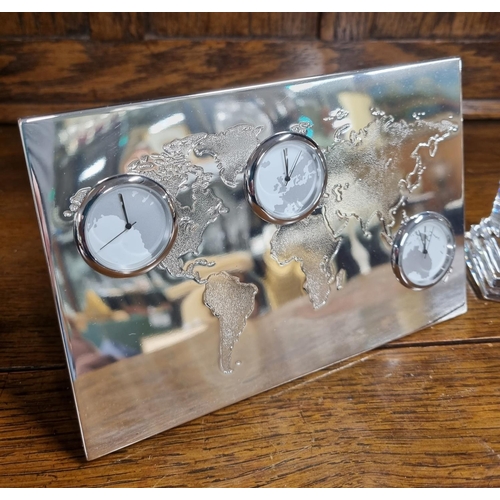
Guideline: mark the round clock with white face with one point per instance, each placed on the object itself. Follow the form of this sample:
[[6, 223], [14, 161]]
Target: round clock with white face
[[285, 178], [125, 226], [423, 250]]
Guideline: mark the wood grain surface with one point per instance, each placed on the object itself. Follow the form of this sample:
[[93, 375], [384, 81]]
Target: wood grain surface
[[42, 24], [117, 25], [138, 26], [350, 26], [46, 76], [342, 26], [419, 416], [53, 62], [421, 411]]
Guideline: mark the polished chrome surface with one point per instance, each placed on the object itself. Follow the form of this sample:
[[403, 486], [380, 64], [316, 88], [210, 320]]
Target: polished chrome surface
[[407, 228], [109, 186], [258, 200], [240, 305]]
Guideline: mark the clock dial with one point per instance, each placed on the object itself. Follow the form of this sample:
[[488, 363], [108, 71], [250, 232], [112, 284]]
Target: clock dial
[[125, 226], [423, 250], [285, 178]]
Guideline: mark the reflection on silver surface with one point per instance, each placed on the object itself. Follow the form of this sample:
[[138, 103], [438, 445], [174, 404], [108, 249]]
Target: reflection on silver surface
[[239, 305]]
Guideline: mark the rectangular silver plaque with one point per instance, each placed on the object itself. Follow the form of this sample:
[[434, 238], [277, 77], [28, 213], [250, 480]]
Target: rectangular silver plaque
[[240, 305]]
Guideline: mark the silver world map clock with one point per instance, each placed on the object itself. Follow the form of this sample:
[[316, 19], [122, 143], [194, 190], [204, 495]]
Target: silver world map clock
[[203, 249], [125, 226], [285, 178]]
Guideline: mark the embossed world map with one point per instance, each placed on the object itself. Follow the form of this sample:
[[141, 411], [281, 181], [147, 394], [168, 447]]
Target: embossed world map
[[364, 184]]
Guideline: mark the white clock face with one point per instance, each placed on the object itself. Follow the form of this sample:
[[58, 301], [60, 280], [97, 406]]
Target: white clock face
[[126, 225], [286, 178], [425, 247]]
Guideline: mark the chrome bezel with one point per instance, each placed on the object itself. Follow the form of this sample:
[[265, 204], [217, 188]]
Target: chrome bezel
[[399, 242], [104, 187], [254, 162]]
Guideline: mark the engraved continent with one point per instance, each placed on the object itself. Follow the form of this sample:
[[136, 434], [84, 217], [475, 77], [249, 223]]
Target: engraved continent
[[231, 302], [193, 221], [171, 167], [418, 263], [231, 150], [301, 127], [313, 245], [75, 201], [366, 170], [366, 179]]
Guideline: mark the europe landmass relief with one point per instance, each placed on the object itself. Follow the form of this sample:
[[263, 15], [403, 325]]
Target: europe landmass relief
[[364, 183]]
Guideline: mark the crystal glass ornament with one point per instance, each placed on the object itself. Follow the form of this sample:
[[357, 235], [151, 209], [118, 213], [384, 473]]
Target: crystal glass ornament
[[482, 253]]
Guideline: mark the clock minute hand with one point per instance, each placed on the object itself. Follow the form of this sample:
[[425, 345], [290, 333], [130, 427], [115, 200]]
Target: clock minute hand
[[422, 240], [295, 163], [429, 242], [126, 229], [430, 237], [127, 225]]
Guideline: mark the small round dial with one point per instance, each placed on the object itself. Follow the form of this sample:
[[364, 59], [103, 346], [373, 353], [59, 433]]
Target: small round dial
[[285, 178], [423, 250], [125, 226]]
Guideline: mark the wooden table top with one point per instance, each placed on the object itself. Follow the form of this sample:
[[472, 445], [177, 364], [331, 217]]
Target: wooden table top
[[421, 411]]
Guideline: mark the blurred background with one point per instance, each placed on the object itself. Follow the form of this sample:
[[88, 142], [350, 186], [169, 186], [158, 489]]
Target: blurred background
[[53, 62]]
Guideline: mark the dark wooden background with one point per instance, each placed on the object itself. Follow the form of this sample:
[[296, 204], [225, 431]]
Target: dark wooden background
[[55, 62], [422, 411]]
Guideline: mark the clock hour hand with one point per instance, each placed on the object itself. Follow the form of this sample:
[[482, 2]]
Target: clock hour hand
[[127, 225], [126, 229], [285, 158], [423, 239]]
